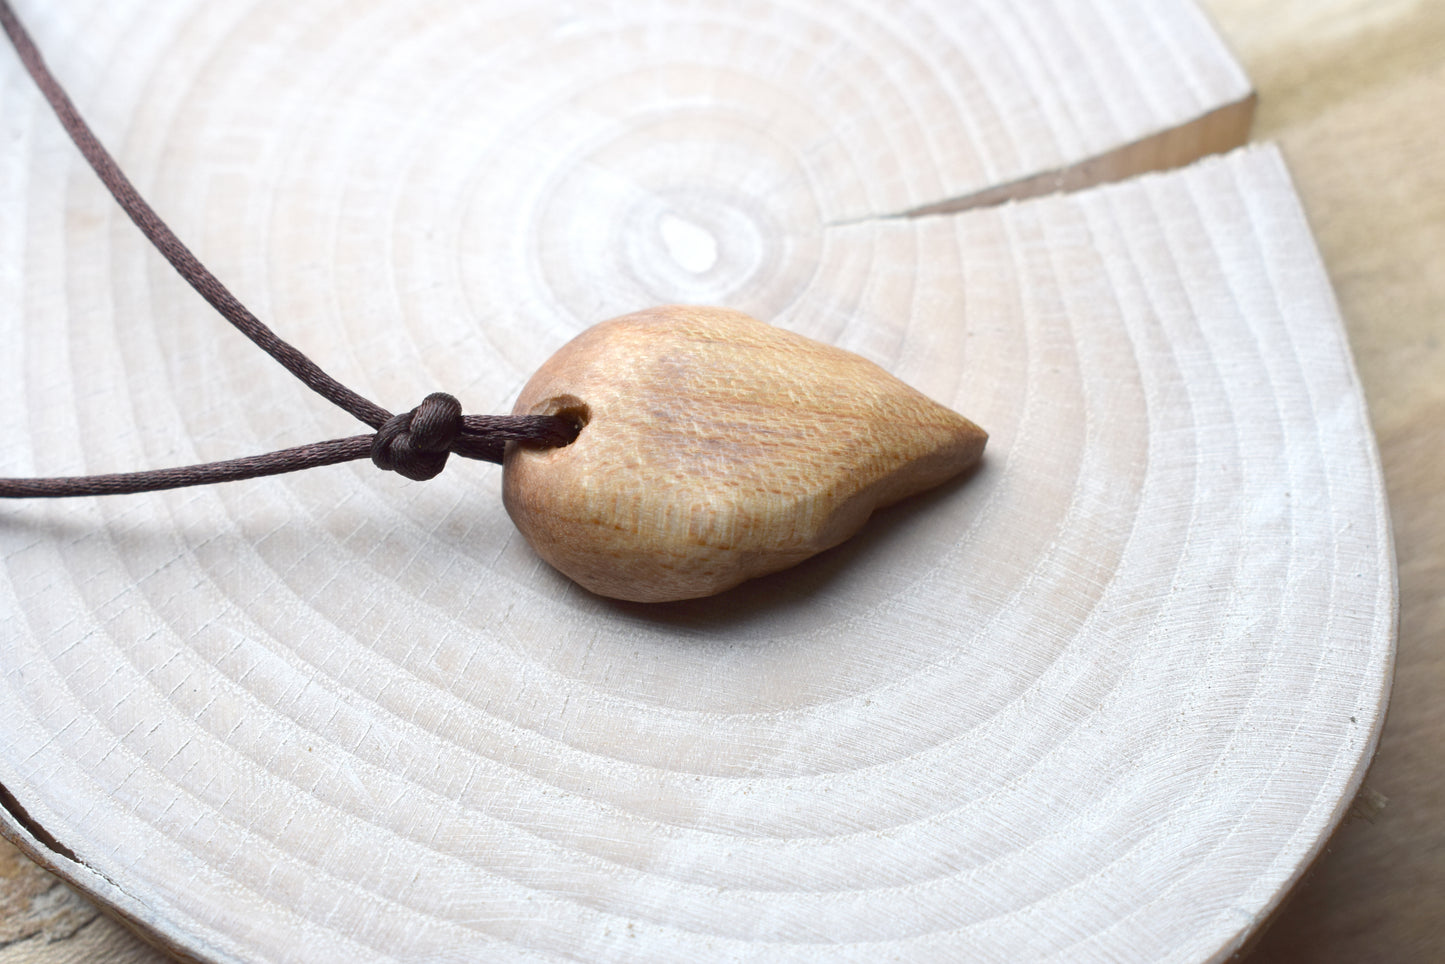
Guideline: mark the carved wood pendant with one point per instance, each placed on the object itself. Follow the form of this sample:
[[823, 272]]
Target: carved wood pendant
[[716, 448]]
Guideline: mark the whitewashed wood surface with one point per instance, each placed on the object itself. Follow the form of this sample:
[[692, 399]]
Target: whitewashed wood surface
[[1104, 700]]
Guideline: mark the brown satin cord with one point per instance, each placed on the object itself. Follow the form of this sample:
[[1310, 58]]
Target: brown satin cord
[[415, 444]]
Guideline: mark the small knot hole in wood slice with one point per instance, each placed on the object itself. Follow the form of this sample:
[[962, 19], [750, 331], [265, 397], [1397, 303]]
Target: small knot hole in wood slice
[[691, 245], [700, 207]]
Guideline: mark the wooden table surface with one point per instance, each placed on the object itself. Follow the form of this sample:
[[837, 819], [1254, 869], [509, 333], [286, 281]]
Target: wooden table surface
[[1351, 89]]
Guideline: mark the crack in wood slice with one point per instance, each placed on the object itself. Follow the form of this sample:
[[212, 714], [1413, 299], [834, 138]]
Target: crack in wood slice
[[1217, 132]]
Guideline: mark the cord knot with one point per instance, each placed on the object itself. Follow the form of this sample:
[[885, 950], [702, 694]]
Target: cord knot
[[416, 444]]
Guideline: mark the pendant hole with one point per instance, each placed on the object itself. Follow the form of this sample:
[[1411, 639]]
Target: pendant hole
[[569, 407]]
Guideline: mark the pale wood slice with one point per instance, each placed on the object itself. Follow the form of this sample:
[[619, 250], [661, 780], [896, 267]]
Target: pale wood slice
[[1102, 700]]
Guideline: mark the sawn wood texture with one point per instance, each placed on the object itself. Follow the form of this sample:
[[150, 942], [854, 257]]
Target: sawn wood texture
[[1105, 700]]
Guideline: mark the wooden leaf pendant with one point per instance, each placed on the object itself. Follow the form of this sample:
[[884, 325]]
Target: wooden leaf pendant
[[716, 448]]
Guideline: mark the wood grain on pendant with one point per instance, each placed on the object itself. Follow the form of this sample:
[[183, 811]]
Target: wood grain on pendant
[[716, 448]]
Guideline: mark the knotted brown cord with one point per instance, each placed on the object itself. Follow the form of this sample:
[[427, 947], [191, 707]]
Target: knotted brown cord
[[414, 444]]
